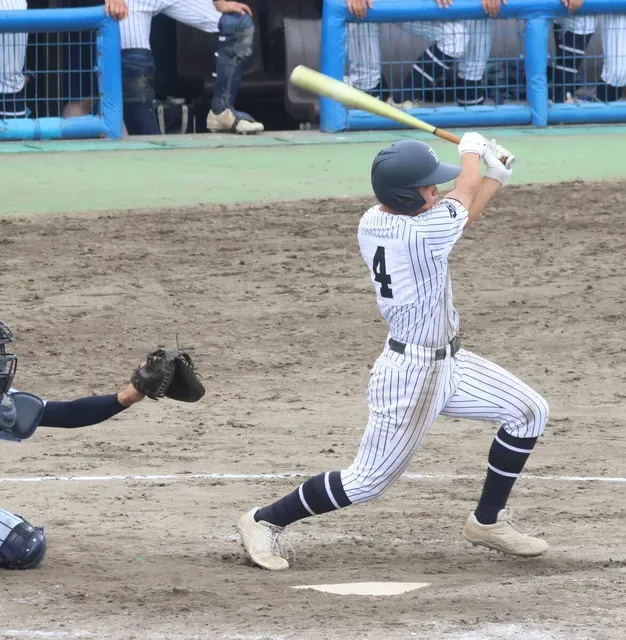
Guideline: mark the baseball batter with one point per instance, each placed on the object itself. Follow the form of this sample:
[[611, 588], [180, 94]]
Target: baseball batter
[[422, 372], [165, 373]]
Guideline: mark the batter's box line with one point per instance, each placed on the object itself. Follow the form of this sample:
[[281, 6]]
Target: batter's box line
[[184, 477]]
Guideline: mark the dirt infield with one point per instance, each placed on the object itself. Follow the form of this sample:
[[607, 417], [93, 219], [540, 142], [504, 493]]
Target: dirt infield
[[282, 320]]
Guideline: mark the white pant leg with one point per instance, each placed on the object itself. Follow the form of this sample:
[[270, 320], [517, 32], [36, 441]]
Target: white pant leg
[[363, 54], [486, 391], [580, 25], [474, 62], [404, 401], [12, 52], [450, 37], [200, 14], [614, 42]]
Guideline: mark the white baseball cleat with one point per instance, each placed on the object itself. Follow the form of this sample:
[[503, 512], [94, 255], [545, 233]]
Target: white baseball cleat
[[503, 536], [261, 541], [229, 121]]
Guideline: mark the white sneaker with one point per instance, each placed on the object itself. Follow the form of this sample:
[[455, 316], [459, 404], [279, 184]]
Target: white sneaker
[[261, 542], [231, 122], [503, 536]]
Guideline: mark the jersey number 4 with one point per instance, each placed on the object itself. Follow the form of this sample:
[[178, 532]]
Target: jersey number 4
[[379, 267]]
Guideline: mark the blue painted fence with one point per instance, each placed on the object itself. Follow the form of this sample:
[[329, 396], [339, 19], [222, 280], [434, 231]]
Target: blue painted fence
[[109, 121], [537, 14]]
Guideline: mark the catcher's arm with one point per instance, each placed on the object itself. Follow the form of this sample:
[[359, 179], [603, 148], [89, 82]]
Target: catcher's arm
[[85, 412]]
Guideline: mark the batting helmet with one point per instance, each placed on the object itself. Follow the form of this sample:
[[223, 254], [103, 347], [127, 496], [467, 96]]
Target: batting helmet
[[403, 166]]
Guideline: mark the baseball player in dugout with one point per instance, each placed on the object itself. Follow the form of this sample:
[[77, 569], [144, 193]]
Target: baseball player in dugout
[[165, 373], [422, 371], [232, 20]]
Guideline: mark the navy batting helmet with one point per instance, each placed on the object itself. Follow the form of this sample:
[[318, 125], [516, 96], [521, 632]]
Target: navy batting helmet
[[403, 166]]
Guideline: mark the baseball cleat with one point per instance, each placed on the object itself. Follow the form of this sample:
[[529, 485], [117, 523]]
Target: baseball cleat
[[261, 541], [503, 536], [230, 121]]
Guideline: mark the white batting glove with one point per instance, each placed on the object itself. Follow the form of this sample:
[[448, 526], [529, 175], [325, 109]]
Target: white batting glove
[[504, 155], [473, 143], [496, 170]]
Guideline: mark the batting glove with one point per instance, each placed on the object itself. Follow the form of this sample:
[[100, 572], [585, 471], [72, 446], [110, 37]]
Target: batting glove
[[495, 169], [473, 143], [504, 155]]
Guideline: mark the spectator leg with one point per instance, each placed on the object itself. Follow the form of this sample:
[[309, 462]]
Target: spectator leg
[[80, 83], [364, 56], [614, 72], [13, 105], [474, 62], [12, 80], [571, 37], [138, 92], [435, 67], [233, 51]]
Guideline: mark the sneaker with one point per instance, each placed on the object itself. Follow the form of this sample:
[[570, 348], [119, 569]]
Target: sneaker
[[406, 105], [503, 536], [261, 541], [229, 121]]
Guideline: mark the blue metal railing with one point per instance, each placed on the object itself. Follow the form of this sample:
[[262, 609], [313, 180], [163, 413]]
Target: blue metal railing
[[101, 33], [535, 16]]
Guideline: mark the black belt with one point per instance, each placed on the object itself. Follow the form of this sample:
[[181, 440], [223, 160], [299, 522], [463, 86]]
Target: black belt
[[440, 354]]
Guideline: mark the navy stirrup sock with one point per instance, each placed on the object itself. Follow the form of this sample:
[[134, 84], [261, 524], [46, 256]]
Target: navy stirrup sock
[[320, 494], [507, 458]]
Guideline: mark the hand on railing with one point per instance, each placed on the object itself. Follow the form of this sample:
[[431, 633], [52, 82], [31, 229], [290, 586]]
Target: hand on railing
[[572, 5], [117, 9], [358, 8], [492, 7]]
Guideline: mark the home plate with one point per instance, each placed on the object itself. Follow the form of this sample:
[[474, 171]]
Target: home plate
[[367, 588]]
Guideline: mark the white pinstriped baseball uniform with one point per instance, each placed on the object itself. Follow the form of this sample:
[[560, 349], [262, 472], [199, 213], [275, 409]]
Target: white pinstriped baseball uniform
[[408, 261], [135, 30], [364, 46], [12, 56]]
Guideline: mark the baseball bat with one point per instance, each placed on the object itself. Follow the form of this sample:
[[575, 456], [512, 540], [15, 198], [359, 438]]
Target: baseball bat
[[323, 85]]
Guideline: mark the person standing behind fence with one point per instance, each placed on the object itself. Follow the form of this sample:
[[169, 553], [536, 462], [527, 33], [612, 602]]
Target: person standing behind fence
[[81, 87], [232, 20], [428, 71], [12, 59], [571, 38]]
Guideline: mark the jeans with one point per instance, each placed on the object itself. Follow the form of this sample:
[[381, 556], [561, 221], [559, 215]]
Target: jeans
[[232, 54], [138, 92]]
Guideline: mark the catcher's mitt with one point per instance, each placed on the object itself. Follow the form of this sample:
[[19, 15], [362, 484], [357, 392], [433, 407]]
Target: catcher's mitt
[[168, 373]]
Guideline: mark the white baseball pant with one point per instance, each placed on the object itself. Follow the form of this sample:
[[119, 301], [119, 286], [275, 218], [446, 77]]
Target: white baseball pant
[[364, 66], [12, 55], [406, 394], [613, 30]]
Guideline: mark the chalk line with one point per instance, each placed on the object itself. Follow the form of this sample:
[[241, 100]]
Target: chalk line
[[32, 633], [181, 477]]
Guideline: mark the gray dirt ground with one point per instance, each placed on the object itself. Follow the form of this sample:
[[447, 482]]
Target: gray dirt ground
[[278, 309]]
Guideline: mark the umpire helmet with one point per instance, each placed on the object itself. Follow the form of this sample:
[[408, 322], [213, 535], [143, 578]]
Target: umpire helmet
[[403, 166]]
